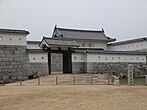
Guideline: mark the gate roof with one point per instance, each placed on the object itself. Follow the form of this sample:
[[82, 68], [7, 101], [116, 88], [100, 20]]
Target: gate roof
[[57, 42]]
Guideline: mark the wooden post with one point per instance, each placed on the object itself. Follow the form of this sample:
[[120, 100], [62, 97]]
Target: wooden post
[[38, 79], [3, 83], [74, 82], [91, 80], [21, 81], [56, 80], [108, 80], [146, 80]]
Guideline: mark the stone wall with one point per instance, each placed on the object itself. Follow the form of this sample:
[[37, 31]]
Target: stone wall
[[14, 62], [116, 68], [109, 68], [41, 65], [56, 62], [79, 67], [39, 68]]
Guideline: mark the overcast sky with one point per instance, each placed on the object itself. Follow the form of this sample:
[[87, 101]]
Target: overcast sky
[[121, 19]]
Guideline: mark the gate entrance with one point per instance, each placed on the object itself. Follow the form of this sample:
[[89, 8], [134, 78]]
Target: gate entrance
[[63, 46], [67, 59]]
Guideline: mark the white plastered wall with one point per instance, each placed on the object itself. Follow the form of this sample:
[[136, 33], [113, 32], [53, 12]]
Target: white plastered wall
[[115, 58], [129, 46], [13, 39], [79, 57], [94, 57], [101, 45], [33, 46], [93, 44], [38, 57]]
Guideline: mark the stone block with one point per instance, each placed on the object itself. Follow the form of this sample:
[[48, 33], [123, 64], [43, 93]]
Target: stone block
[[13, 77], [24, 78], [1, 59], [17, 52], [113, 80], [23, 51], [1, 51], [5, 59], [10, 59], [9, 55], [14, 70], [5, 77], [6, 52], [19, 77], [17, 59]]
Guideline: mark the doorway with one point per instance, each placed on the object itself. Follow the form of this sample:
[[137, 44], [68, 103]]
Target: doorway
[[66, 58]]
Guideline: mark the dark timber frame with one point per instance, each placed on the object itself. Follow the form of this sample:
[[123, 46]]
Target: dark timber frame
[[67, 59], [56, 45]]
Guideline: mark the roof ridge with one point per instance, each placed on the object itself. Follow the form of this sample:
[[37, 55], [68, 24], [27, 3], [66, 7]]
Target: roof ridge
[[33, 42], [67, 39], [128, 41], [75, 29], [13, 31]]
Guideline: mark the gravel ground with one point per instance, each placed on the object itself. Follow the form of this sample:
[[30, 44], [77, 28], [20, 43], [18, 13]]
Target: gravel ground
[[73, 97]]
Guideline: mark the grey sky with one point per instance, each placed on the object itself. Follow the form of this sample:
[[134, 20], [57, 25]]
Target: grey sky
[[121, 19]]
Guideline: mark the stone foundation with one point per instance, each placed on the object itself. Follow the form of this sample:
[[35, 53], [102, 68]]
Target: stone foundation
[[42, 67], [79, 67], [14, 62], [39, 68], [119, 69]]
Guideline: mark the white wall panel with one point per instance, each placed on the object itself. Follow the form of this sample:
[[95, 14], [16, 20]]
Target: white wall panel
[[38, 57], [79, 57], [115, 58], [33, 46], [93, 57], [129, 46], [12, 39]]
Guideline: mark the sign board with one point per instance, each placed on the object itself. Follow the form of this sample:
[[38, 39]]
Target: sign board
[[130, 75]]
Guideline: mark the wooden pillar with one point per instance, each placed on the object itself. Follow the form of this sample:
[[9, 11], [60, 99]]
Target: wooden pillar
[[49, 60], [65, 64], [146, 80], [70, 62]]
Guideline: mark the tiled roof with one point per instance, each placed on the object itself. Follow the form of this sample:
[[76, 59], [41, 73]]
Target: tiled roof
[[88, 48], [33, 42], [97, 51], [60, 42], [35, 50], [14, 31], [128, 41], [109, 52], [81, 34]]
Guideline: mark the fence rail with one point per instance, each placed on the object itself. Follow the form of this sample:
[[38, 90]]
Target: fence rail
[[66, 80]]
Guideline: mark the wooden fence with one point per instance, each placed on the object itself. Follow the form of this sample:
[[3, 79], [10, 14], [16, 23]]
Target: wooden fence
[[65, 80], [68, 80]]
